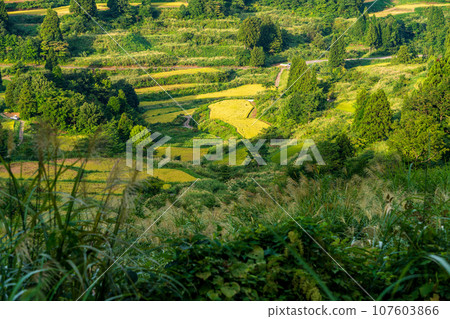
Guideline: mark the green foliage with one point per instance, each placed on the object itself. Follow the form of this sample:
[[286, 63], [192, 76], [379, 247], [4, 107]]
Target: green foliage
[[373, 36], [26, 104], [256, 32], [337, 53], [250, 32], [118, 7], [301, 77], [51, 60], [88, 118], [393, 33], [4, 19], [89, 6], [422, 134], [50, 29], [436, 28], [418, 138], [406, 54], [373, 118], [3, 141], [210, 9], [332, 8], [136, 130], [257, 57]]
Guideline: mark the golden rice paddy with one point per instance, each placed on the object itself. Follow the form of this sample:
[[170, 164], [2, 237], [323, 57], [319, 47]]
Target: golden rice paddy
[[248, 90], [236, 113]]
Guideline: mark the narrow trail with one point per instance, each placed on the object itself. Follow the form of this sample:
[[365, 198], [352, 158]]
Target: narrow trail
[[21, 131], [179, 67], [186, 123], [278, 79]]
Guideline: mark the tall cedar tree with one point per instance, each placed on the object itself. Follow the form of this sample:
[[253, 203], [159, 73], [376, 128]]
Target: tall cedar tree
[[270, 36], [375, 121], [118, 7], [50, 30], [373, 37], [257, 57], [337, 53], [26, 105], [4, 18], [305, 96], [301, 78], [250, 32], [418, 138], [89, 6], [436, 28]]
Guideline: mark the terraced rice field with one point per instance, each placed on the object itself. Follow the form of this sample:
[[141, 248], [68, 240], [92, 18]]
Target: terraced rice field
[[190, 71], [248, 90], [407, 8], [100, 6], [165, 115], [98, 173], [154, 89], [236, 113], [185, 153]]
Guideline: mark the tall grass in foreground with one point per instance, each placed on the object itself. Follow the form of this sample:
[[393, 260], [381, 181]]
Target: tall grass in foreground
[[54, 246]]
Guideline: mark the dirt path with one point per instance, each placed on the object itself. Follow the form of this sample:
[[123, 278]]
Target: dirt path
[[177, 67], [21, 131], [132, 67], [278, 79], [188, 120]]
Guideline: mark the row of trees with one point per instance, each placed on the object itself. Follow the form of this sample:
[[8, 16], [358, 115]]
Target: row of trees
[[50, 43], [4, 19], [80, 101], [304, 96], [422, 132], [335, 8], [260, 37]]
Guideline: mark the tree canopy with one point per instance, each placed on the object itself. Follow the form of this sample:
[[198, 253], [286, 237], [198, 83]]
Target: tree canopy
[[373, 120], [89, 6]]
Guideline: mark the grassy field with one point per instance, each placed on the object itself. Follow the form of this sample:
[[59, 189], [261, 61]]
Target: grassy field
[[407, 8], [185, 153], [100, 6], [236, 113], [248, 90], [190, 71], [165, 115], [154, 89], [347, 106], [99, 171]]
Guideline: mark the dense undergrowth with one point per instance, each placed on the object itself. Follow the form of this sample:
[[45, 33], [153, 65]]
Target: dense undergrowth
[[224, 238]]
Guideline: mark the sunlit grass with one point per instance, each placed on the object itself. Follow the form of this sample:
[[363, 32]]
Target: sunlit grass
[[248, 90], [161, 116], [186, 154], [236, 113], [407, 8], [347, 106], [154, 89], [100, 6]]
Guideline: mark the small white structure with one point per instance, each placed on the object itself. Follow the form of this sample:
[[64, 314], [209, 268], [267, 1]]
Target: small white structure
[[15, 118]]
